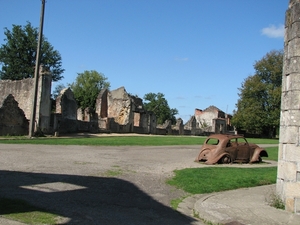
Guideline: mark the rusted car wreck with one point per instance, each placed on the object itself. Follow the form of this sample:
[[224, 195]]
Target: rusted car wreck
[[222, 148]]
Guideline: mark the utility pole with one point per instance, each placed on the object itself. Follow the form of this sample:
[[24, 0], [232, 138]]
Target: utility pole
[[36, 73]]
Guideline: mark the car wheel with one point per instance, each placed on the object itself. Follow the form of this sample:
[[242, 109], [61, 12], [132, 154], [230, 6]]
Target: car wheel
[[226, 159], [259, 159]]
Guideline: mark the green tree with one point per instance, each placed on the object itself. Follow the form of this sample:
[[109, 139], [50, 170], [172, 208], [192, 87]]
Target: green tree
[[160, 107], [87, 87], [18, 54], [258, 108]]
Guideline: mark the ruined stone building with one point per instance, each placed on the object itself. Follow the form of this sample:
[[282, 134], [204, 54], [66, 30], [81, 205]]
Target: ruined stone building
[[212, 120], [115, 111], [121, 112], [191, 127], [18, 96], [288, 175], [64, 120]]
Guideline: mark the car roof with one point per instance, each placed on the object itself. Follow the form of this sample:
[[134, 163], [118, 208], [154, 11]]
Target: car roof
[[225, 136]]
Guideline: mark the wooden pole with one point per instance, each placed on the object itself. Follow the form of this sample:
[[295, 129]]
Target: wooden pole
[[32, 126]]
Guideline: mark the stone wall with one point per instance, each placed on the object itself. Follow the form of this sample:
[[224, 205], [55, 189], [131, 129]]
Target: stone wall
[[219, 126], [22, 91], [119, 111], [288, 176], [119, 106], [65, 117], [12, 118], [66, 104], [192, 127], [204, 118], [178, 128], [213, 120]]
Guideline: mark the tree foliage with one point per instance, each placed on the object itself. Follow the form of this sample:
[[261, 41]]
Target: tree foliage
[[87, 87], [160, 107], [18, 54], [58, 88], [258, 108]]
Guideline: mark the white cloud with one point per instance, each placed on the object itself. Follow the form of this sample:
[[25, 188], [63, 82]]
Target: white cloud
[[273, 32]]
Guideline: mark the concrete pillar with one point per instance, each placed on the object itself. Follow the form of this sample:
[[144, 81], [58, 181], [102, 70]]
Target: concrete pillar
[[288, 176]]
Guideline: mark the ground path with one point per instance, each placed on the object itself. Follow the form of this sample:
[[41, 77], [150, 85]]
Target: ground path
[[98, 184]]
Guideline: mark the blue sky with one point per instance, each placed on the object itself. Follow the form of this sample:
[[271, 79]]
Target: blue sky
[[196, 52]]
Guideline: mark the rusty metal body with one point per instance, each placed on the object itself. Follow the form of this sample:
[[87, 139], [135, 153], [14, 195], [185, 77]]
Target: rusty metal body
[[222, 148]]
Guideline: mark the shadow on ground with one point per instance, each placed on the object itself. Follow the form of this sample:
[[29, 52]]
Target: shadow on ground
[[86, 199]]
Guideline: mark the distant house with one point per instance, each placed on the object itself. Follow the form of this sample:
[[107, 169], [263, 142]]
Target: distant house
[[212, 119]]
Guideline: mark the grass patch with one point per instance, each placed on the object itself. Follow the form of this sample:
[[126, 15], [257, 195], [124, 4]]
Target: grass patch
[[272, 153], [116, 171], [275, 201], [113, 173], [20, 210], [215, 179], [262, 141], [151, 140], [175, 202], [112, 141]]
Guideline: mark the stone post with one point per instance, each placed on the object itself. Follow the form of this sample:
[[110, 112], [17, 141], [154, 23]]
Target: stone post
[[288, 175], [43, 110]]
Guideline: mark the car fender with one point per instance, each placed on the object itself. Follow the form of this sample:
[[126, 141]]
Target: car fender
[[201, 153], [258, 152]]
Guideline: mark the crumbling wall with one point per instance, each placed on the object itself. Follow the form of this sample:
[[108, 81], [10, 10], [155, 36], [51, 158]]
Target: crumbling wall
[[145, 123], [12, 118], [205, 118], [165, 128], [65, 118], [88, 115], [219, 126], [119, 106], [119, 111], [22, 90], [115, 111], [101, 104], [66, 104], [80, 114], [137, 119], [192, 127], [178, 128]]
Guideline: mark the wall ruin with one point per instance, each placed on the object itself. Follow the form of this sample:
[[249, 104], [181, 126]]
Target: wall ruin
[[121, 112], [212, 120], [22, 91], [12, 118], [66, 104]]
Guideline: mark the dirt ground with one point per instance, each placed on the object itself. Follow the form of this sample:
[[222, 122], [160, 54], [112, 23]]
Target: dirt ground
[[96, 184]]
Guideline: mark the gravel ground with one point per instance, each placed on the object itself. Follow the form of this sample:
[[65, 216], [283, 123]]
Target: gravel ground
[[96, 184]]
